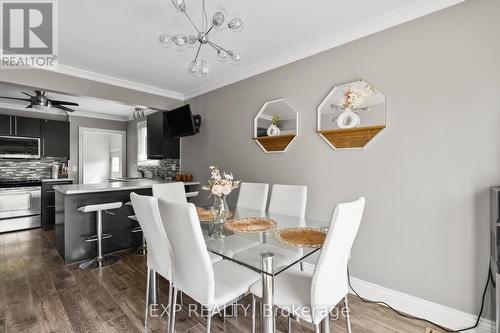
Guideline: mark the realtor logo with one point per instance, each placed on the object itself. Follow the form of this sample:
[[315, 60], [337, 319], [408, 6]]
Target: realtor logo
[[28, 37]]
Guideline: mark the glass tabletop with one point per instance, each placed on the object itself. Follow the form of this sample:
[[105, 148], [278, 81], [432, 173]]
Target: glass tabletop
[[247, 248]]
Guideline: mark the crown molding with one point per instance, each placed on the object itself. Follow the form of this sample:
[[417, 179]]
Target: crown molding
[[115, 81], [403, 15]]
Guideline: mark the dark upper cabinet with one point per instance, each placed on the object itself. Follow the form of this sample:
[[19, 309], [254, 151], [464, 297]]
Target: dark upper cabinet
[[159, 144], [154, 142], [55, 138], [19, 126], [28, 127], [5, 125]]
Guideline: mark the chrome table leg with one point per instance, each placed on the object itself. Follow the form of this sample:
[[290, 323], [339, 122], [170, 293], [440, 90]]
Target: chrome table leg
[[267, 315], [348, 315], [325, 324]]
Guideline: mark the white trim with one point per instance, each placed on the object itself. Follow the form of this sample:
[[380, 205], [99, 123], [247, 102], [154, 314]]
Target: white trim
[[123, 150], [115, 81], [443, 315], [403, 15]]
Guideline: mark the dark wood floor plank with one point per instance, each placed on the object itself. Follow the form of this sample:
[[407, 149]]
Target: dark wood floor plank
[[81, 313], [121, 324], [98, 296]]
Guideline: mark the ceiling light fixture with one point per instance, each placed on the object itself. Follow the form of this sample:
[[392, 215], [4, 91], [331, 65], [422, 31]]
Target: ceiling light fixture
[[200, 67]]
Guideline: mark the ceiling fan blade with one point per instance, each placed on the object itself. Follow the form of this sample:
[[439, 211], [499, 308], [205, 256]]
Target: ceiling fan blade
[[54, 102], [63, 108], [27, 94], [19, 99]]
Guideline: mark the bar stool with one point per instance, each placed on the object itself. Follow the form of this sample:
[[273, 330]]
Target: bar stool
[[143, 249], [100, 261]]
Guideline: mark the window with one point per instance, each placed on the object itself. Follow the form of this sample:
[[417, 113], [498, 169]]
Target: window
[[142, 152], [115, 164]]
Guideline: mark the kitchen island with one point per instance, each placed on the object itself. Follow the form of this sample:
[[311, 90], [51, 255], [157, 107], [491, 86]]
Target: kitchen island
[[72, 227]]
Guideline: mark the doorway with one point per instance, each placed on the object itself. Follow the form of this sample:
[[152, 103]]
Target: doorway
[[102, 155]]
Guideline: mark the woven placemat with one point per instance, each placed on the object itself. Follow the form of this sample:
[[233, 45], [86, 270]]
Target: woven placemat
[[300, 237], [206, 215], [250, 225]]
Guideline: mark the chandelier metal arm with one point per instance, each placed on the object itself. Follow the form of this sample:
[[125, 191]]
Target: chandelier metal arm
[[198, 52], [217, 47], [192, 23], [208, 31]]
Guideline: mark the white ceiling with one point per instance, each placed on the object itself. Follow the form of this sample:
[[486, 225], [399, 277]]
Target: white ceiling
[[88, 106], [115, 41]]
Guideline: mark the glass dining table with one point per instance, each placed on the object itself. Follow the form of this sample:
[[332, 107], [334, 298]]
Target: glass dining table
[[262, 253]]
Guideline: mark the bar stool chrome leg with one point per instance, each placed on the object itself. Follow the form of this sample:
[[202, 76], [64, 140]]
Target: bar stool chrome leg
[[100, 261], [141, 250]]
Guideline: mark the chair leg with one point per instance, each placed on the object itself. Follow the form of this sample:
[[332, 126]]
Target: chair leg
[[169, 304], [209, 322], [146, 314], [253, 314], [235, 309], [348, 317], [289, 324], [181, 298], [172, 310]]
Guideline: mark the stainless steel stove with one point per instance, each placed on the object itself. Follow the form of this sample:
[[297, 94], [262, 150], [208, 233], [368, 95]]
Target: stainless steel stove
[[20, 203]]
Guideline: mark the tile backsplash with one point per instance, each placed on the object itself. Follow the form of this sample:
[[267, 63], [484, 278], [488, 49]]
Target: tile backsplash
[[22, 168], [167, 168]]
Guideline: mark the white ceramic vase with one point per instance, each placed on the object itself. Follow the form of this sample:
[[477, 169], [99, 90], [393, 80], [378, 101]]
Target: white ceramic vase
[[273, 130], [348, 119]]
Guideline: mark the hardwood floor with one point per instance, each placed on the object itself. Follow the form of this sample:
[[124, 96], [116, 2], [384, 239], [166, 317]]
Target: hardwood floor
[[39, 294]]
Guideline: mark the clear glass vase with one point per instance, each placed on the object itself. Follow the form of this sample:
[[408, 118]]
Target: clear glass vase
[[220, 211]]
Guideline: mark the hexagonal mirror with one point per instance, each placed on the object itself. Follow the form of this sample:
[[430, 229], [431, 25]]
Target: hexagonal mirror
[[351, 115], [276, 126]]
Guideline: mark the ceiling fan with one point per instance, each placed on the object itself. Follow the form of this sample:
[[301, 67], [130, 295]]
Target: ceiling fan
[[40, 100]]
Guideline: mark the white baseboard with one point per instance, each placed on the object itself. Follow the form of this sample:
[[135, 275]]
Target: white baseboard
[[442, 315]]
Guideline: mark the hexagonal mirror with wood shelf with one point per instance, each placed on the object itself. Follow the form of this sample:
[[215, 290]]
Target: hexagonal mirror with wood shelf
[[276, 126], [351, 115]]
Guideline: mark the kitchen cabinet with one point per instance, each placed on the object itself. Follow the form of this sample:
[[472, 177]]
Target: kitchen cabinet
[[159, 144], [55, 138], [5, 125], [48, 207], [27, 127], [154, 142], [19, 126]]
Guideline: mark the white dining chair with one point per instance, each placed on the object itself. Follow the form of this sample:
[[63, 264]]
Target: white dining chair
[[289, 200], [160, 256], [214, 286], [173, 192], [253, 196], [313, 296], [176, 192]]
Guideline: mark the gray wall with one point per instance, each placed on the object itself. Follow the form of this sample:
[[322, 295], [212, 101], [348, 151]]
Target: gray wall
[[426, 177]]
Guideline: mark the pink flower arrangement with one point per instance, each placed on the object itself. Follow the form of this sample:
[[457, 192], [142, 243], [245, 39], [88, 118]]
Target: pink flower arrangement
[[220, 183], [355, 98]]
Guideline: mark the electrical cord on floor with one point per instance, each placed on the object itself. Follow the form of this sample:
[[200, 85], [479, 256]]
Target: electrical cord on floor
[[489, 278]]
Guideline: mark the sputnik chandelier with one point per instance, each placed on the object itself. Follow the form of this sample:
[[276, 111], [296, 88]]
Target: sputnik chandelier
[[218, 22]]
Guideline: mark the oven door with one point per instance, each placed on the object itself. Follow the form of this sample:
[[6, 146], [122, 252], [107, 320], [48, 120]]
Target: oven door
[[20, 202], [19, 147]]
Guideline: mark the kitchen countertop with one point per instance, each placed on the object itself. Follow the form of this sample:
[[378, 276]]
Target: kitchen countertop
[[57, 180], [113, 186]]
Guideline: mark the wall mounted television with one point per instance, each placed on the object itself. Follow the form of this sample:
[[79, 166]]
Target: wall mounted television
[[181, 122]]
